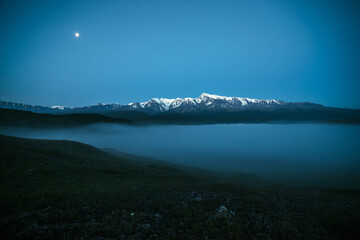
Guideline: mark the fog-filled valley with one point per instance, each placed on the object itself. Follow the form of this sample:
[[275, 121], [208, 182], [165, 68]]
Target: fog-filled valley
[[320, 155]]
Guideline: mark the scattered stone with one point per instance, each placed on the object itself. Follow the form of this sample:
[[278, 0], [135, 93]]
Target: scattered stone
[[198, 198], [223, 212]]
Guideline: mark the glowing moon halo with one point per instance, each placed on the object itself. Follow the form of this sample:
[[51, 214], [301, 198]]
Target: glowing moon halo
[[77, 34]]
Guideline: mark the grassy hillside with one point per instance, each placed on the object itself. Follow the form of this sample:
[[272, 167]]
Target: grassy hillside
[[69, 190], [19, 118]]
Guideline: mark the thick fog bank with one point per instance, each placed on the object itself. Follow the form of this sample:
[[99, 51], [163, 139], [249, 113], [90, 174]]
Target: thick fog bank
[[315, 154]]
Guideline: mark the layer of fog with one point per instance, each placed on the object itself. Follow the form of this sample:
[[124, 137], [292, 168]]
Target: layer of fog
[[312, 153]]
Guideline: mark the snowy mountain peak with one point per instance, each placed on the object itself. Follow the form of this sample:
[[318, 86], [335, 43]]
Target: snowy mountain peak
[[212, 96], [209, 95], [108, 104], [58, 107], [204, 101]]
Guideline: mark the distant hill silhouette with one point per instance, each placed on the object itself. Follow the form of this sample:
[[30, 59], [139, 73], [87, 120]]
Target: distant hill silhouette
[[10, 117]]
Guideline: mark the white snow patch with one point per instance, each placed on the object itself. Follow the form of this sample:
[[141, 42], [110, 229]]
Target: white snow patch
[[58, 107]]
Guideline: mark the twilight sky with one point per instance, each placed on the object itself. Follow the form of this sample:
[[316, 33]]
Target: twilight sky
[[135, 50]]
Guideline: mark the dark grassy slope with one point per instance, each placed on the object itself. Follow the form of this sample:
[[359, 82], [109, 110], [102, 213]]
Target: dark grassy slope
[[19, 118], [69, 190]]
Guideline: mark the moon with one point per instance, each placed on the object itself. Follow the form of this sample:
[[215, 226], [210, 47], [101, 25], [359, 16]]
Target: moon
[[77, 34]]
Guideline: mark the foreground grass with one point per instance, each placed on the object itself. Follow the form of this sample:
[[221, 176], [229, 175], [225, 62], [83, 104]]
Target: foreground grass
[[69, 190]]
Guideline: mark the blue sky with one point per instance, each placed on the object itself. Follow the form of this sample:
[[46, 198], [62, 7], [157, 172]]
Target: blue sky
[[135, 50]]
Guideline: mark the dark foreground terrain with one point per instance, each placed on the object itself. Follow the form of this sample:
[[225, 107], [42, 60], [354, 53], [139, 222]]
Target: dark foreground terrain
[[69, 190]]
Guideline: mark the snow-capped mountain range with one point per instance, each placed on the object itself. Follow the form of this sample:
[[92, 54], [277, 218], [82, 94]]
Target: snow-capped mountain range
[[204, 102], [205, 109]]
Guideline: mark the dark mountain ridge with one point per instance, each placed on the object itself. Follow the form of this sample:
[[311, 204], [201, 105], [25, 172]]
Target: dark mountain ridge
[[206, 109], [9, 117]]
